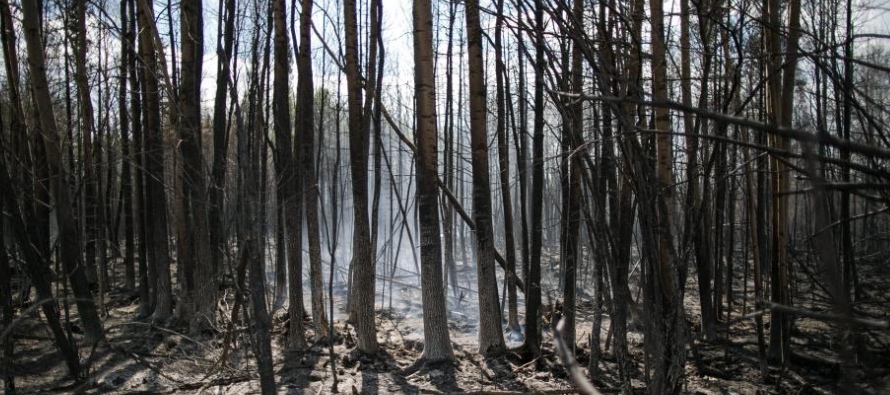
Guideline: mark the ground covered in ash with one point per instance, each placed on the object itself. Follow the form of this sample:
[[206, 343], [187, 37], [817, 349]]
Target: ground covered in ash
[[142, 357]]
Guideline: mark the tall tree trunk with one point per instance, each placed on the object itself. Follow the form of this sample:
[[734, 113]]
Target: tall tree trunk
[[522, 156], [363, 261], [780, 98], [126, 152], [532, 343], [664, 301], [251, 225], [216, 191], [696, 229], [144, 272], [491, 336], [305, 114], [7, 342], [286, 175], [437, 343], [18, 130], [850, 276], [504, 166], [69, 235], [91, 194], [573, 134], [155, 202], [194, 251], [449, 238]]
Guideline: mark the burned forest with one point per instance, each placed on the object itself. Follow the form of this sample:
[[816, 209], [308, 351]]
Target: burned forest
[[491, 197]]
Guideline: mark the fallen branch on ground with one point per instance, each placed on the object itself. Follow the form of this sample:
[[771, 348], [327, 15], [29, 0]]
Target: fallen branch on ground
[[484, 392], [195, 386]]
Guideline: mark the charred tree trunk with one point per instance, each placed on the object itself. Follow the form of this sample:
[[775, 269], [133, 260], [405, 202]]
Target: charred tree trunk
[[126, 151], [251, 224], [532, 343], [194, 251], [90, 178], [573, 135], [144, 272], [666, 321], [504, 165], [69, 235], [216, 191], [437, 342], [288, 195], [306, 129], [155, 202], [38, 270], [491, 336], [363, 261], [449, 238]]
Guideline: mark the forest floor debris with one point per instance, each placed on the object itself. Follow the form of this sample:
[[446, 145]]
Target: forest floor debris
[[142, 357]]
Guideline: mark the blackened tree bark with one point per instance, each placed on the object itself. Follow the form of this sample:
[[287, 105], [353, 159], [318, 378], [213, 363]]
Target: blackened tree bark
[[491, 336], [692, 229], [363, 274], [504, 167], [145, 274], [532, 343], [38, 270], [194, 250], [665, 321], [69, 235], [448, 227], [155, 202], [306, 130], [126, 190], [251, 225], [572, 139], [780, 81], [91, 202], [6, 302], [286, 175], [437, 342], [220, 140]]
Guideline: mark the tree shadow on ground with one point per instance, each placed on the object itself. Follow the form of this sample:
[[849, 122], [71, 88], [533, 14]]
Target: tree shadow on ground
[[298, 370], [503, 376]]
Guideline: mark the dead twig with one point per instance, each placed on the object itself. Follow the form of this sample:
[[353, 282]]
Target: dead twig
[[526, 365], [584, 386]]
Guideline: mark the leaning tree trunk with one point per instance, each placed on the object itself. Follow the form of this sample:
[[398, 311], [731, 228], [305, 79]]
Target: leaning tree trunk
[[69, 235], [38, 270]]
